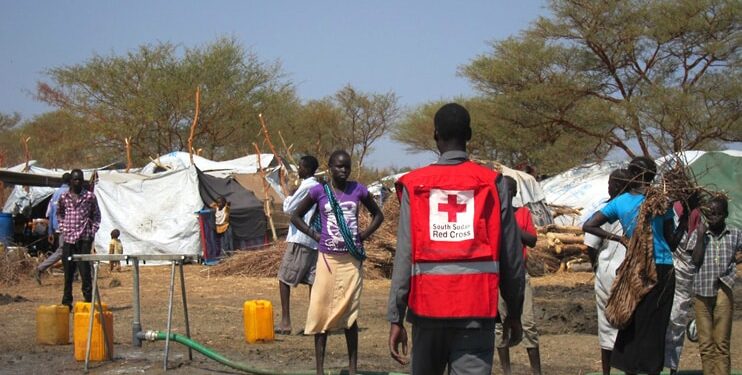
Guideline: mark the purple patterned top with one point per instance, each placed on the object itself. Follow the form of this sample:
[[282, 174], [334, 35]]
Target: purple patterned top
[[79, 218], [331, 241]]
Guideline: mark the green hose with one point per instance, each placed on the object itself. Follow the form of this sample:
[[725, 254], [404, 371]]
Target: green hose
[[157, 335]]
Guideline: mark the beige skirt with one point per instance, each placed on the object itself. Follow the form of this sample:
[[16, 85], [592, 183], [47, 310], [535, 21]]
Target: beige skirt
[[336, 293]]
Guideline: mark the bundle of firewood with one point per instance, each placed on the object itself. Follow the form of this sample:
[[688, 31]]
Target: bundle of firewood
[[558, 248]]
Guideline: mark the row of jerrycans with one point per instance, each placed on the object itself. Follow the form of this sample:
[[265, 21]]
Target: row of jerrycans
[[53, 328]]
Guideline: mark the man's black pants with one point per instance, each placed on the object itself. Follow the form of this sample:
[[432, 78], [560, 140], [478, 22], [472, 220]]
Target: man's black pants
[[79, 247]]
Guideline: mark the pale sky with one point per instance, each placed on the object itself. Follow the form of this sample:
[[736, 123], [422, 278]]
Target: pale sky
[[412, 48]]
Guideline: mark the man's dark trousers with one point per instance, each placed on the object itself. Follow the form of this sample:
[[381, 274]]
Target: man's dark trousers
[[82, 246]]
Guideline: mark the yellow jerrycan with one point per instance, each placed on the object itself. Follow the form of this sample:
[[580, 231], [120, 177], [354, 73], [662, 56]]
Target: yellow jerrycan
[[53, 325], [97, 339], [258, 317]]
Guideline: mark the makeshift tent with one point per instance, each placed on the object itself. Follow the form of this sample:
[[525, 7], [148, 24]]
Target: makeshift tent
[[182, 160], [718, 171], [156, 208], [586, 186], [155, 214], [33, 186], [247, 218]]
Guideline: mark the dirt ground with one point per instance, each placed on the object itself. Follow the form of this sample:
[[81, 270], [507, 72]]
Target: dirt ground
[[564, 303]]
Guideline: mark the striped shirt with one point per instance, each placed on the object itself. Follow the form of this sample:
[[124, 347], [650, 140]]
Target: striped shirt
[[78, 216], [718, 261]]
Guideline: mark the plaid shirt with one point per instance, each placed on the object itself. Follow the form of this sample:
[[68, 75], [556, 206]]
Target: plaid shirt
[[79, 217], [718, 262]]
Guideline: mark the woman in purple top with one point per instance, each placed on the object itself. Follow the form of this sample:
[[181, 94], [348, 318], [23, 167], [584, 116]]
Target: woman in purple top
[[338, 282]]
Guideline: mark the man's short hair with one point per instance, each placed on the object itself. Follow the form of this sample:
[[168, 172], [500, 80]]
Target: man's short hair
[[77, 171], [66, 178], [452, 121], [310, 162], [336, 154]]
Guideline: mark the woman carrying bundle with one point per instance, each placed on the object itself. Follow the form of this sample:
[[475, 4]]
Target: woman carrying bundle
[[639, 346]]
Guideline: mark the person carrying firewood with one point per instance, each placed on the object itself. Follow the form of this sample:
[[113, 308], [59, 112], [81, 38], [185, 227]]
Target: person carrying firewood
[[640, 343]]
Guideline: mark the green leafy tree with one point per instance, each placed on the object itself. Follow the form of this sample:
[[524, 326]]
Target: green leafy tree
[[10, 148], [60, 139], [641, 76], [148, 95], [349, 120], [366, 118], [493, 137]]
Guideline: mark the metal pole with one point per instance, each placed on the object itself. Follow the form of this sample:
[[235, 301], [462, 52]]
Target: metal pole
[[185, 308], [109, 349], [169, 314], [136, 325], [91, 311]]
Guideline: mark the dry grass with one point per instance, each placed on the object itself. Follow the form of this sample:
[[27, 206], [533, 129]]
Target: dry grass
[[15, 264]]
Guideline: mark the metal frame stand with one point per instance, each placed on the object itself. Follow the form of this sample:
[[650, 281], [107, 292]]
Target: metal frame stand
[[136, 326]]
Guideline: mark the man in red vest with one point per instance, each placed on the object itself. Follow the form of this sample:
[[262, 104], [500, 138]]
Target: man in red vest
[[457, 242]]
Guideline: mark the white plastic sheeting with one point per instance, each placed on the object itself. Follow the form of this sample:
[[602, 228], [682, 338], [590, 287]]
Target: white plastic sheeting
[[181, 160], [529, 190], [155, 214], [586, 186], [22, 198]]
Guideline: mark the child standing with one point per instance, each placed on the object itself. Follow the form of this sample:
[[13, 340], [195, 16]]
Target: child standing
[[714, 249], [115, 247]]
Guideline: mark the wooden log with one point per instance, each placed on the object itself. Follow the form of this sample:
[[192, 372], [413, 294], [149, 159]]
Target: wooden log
[[562, 251], [565, 211], [560, 229], [564, 238]]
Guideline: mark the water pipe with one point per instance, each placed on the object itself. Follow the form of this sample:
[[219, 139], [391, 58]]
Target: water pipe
[[157, 335]]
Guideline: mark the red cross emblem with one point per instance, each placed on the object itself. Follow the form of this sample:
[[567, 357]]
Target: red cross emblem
[[451, 208]]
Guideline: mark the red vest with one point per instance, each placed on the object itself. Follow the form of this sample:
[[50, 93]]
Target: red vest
[[455, 234]]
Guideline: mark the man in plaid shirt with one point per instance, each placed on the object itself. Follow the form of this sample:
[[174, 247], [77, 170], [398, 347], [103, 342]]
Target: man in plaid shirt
[[714, 249], [79, 218]]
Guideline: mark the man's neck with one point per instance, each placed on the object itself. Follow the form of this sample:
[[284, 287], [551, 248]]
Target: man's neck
[[717, 230]]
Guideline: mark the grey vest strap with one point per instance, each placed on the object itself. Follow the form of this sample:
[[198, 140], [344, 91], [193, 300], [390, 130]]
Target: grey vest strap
[[455, 268]]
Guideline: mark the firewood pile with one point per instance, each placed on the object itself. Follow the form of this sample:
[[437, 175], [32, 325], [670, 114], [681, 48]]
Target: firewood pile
[[265, 262], [558, 248], [252, 263], [382, 244]]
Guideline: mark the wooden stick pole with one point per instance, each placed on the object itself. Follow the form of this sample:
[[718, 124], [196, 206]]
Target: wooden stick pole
[[195, 122], [275, 154], [288, 149], [127, 143], [26, 153], [266, 201]]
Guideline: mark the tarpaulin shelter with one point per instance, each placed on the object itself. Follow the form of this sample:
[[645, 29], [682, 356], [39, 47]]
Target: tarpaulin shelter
[[586, 186], [246, 216], [155, 208]]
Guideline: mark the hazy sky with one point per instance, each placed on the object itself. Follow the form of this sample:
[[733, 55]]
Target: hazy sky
[[412, 48]]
